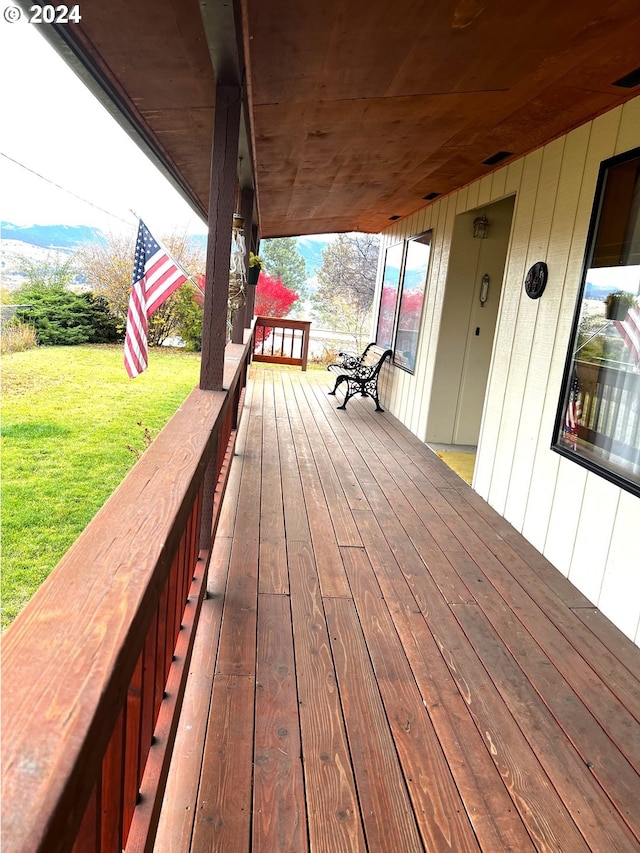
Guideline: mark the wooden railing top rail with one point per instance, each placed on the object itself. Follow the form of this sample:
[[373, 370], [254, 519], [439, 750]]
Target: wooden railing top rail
[[282, 323], [607, 374], [293, 349], [68, 658]]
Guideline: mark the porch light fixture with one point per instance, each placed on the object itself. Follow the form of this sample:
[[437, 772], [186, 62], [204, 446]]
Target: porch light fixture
[[480, 227]]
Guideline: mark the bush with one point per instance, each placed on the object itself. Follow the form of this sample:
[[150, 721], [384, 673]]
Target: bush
[[328, 355], [17, 337], [189, 315], [107, 265], [62, 318]]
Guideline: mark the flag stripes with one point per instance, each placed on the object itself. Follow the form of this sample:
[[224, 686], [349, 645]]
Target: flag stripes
[[135, 344], [163, 278], [629, 330], [155, 277], [573, 414]]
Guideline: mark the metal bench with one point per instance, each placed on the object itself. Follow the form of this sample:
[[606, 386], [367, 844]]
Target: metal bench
[[360, 373]]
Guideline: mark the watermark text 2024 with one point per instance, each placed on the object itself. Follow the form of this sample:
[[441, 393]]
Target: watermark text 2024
[[47, 14]]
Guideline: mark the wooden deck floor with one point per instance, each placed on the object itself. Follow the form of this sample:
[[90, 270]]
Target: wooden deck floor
[[384, 664]]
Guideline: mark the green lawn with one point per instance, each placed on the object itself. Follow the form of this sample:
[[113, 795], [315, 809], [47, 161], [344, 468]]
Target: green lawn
[[68, 415]]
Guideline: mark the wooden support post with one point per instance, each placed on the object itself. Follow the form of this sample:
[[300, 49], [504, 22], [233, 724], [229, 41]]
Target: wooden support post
[[224, 167]]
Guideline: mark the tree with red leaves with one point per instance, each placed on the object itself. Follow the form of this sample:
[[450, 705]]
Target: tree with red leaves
[[273, 299]]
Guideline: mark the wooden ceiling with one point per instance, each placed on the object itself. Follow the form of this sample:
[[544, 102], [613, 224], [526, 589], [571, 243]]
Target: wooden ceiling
[[360, 109]]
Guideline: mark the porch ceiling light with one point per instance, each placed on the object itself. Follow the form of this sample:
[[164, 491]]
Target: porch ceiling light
[[480, 227]]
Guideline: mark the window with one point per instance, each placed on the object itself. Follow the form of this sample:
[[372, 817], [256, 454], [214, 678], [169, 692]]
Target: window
[[598, 420], [389, 297], [399, 318]]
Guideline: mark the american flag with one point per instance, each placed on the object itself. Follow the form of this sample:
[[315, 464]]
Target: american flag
[[573, 415], [155, 277], [629, 329]]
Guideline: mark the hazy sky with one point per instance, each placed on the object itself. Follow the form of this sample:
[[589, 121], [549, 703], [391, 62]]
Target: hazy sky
[[53, 125]]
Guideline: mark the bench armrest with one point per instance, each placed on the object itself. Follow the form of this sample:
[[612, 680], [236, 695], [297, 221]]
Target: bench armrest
[[348, 361]]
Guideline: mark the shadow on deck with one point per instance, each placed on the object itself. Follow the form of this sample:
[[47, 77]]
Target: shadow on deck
[[384, 664]]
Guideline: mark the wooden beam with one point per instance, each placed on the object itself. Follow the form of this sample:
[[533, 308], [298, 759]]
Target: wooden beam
[[223, 28], [221, 202]]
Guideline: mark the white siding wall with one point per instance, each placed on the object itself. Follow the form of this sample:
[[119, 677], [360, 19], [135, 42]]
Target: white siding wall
[[584, 525]]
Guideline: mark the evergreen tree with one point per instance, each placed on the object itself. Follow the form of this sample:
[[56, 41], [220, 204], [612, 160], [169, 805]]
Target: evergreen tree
[[61, 317], [283, 261]]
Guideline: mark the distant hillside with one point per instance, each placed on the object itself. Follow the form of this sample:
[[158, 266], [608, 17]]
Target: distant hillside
[[596, 291], [310, 248], [66, 238]]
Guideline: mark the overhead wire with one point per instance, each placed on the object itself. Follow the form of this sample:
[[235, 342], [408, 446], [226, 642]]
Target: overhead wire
[[96, 206], [64, 189]]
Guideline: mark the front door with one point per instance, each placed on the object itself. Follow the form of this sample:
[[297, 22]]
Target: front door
[[468, 324]]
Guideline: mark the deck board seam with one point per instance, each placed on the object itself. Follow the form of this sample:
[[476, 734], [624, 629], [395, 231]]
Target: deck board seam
[[516, 580], [482, 663]]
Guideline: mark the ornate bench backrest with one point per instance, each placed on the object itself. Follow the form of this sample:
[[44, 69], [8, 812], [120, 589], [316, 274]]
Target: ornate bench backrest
[[372, 360]]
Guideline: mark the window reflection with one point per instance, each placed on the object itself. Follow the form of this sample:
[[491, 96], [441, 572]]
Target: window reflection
[[599, 419], [413, 287], [390, 286], [402, 297]]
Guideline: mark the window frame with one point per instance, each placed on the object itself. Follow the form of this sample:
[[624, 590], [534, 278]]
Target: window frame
[[402, 245], [405, 244], [610, 474]]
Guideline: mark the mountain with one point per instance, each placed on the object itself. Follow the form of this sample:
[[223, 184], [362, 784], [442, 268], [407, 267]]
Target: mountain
[[66, 238], [69, 238], [596, 291], [311, 249]]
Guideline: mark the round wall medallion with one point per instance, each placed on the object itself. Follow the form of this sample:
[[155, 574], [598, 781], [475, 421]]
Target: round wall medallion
[[536, 280]]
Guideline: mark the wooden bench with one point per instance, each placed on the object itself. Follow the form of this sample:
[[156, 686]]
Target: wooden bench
[[360, 373]]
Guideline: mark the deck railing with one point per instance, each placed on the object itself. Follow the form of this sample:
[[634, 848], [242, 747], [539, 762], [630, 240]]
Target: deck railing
[[281, 341], [610, 413], [94, 668]]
